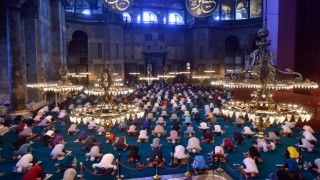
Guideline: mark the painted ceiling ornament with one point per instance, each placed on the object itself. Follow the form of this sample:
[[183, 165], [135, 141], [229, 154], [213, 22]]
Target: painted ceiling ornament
[[118, 6], [201, 8]]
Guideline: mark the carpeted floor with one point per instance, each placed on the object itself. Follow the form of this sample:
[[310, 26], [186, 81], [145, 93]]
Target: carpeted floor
[[43, 153]]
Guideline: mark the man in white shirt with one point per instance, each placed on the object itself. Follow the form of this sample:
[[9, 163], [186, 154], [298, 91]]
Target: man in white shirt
[[58, 151], [24, 163], [94, 153], [69, 174], [105, 164], [250, 169], [309, 136]]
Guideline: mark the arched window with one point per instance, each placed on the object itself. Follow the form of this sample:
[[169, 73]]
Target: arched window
[[148, 17], [241, 9], [174, 18], [126, 17], [227, 10]]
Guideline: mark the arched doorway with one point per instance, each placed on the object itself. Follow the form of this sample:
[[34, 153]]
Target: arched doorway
[[232, 59], [78, 55]]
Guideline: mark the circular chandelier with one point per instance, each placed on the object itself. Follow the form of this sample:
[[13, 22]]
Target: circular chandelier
[[106, 112], [264, 77], [64, 86]]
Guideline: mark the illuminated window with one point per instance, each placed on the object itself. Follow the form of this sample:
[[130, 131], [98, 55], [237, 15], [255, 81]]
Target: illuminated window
[[86, 12], [148, 17], [126, 17], [174, 18]]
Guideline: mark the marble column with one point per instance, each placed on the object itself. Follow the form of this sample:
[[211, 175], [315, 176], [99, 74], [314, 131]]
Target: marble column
[[16, 62]]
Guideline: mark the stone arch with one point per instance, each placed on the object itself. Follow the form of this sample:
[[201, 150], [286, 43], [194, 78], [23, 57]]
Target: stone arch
[[232, 46]]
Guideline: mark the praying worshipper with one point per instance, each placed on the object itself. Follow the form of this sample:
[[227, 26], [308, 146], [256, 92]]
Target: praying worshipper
[[316, 166], [293, 169], [105, 164], [174, 117], [290, 124], [161, 121], [218, 154], [158, 131], [187, 121], [281, 174], [45, 122], [83, 136], [207, 137], [27, 132], [24, 149], [111, 139], [25, 163], [152, 160], [209, 116], [250, 168], [173, 138], [92, 125], [156, 143], [239, 122], [48, 138], [203, 126], [254, 154], [120, 144], [34, 173], [212, 121], [146, 125], [94, 154], [218, 131], [89, 142], [57, 140], [189, 132], [286, 131], [179, 154], [262, 144], [247, 132], [132, 130], [196, 117], [291, 152], [176, 126], [143, 137], [308, 129], [310, 137], [271, 136], [194, 145], [133, 155], [199, 165], [136, 121], [19, 128], [101, 130], [18, 142], [70, 174], [58, 151], [69, 161], [72, 129], [227, 143], [186, 114], [150, 117], [123, 125], [305, 145], [164, 114]]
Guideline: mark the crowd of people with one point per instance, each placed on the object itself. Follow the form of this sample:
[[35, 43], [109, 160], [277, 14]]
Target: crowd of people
[[188, 110]]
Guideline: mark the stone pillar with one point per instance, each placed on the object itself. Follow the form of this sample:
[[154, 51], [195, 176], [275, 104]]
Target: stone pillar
[[16, 62]]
